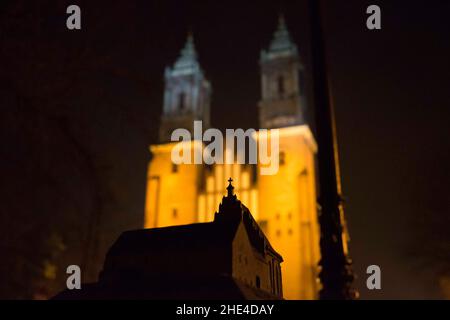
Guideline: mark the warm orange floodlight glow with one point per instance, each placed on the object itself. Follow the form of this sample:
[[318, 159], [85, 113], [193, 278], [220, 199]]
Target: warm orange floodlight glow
[[284, 204]]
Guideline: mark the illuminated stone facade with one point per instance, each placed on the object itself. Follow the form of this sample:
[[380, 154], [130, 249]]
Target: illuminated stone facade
[[284, 204]]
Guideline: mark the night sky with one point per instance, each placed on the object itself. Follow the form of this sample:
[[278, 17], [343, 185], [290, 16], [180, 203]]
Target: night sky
[[95, 97]]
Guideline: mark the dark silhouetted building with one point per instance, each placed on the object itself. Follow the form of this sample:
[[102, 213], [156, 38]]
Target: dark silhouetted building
[[228, 258]]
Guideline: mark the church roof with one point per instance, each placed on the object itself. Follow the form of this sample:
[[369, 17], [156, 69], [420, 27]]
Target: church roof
[[162, 239], [219, 233]]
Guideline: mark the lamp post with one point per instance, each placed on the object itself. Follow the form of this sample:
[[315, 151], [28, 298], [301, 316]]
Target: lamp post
[[336, 274]]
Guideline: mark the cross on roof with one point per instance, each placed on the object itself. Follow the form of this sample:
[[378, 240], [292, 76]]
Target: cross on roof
[[230, 188]]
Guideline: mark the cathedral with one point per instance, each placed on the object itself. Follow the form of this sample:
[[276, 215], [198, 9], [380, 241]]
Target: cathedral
[[283, 204]]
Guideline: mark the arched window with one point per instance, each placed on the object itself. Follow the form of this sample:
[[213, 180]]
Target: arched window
[[181, 102], [280, 85]]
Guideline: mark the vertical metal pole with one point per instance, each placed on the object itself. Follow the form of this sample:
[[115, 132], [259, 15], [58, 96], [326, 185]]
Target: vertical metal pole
[[336, 274]]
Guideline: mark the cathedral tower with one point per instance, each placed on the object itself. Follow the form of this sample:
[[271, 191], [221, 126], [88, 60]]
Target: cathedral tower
[[172, 190], [282, 84], [287, 200], [187, 94]]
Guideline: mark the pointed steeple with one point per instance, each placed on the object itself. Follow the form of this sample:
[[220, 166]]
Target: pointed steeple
[[188, 56], [282, 39], [230, 208], [230, 188], [281, 21]]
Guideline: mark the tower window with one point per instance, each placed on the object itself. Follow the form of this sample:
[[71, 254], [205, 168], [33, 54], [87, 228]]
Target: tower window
[[181, 104], [174, 168], [282, 157], [280, 84], [258, 282], [174, 213]]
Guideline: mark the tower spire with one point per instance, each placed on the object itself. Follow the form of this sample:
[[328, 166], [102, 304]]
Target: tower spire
[[187, 93], [230, 188], [188, 56], [281, 21], [282, 39]]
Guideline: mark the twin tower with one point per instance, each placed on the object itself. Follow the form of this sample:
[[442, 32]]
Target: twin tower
[[187, 92], [284, 204]]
